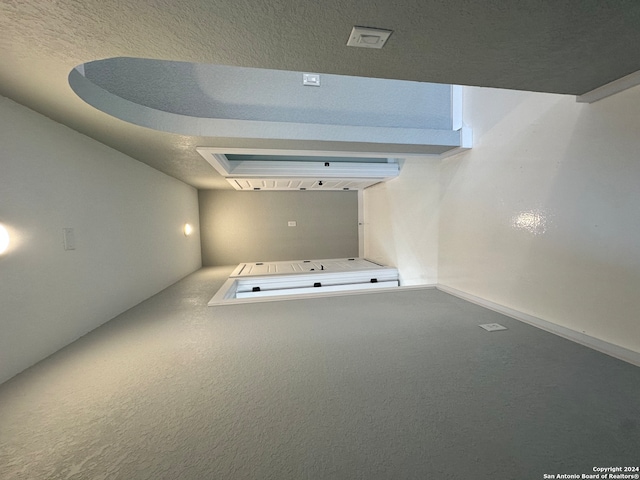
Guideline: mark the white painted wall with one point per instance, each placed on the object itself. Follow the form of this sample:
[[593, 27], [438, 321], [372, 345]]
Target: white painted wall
[[401, 221], [128, 222], [542, 215]]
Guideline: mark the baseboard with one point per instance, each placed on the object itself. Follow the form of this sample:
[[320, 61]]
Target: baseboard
[[219, 298], [610, 349]]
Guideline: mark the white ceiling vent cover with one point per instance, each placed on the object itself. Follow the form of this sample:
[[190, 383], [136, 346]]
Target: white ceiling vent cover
[[366, 37]]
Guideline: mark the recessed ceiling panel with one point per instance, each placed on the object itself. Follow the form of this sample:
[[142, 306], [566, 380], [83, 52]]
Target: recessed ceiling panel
[[255, 94]]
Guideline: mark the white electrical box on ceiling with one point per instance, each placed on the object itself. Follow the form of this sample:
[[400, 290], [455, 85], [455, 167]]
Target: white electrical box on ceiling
[[311, 79]]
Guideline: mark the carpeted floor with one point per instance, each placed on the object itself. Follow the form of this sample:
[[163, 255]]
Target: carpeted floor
[[400, 385]]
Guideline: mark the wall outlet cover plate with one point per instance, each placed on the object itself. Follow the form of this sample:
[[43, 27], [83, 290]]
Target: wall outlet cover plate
[[492, 327]]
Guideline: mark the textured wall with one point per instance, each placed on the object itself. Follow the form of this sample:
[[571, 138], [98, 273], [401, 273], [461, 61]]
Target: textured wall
[[128, 222], [542, 214], [252, 226], [401, 221]]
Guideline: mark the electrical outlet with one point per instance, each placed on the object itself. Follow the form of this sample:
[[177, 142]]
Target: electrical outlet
[[492, 327], [292, 223]]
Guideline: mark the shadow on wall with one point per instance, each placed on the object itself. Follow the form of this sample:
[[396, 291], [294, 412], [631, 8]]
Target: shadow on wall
[[401, 221]]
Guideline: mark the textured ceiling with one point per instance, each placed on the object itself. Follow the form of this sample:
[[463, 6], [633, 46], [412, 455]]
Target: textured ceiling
[[561, 47], [229, 92]]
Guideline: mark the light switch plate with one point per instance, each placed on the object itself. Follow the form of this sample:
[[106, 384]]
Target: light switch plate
[[292, 223], [492, 327], [69, 239]]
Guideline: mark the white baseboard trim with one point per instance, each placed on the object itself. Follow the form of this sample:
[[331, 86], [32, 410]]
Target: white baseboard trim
[[220, 300], [607, 348]]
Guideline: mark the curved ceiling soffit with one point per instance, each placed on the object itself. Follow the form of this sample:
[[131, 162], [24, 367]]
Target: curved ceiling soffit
[[199, 126], [138, 114]]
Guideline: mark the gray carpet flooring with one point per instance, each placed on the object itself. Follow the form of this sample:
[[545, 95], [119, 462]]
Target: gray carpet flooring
[[401, 385]]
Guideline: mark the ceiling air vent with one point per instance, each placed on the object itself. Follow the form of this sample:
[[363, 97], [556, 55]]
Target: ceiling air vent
[[366, 37]]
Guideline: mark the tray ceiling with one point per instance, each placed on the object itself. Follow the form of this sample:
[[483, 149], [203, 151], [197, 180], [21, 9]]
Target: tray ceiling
[[558, 47]]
